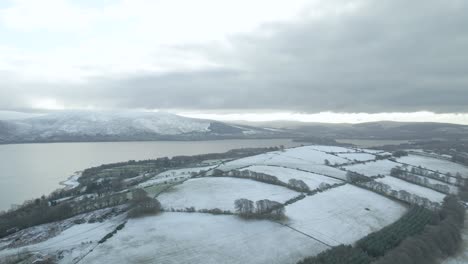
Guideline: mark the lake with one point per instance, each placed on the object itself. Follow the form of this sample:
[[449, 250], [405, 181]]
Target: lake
[[31, 170]]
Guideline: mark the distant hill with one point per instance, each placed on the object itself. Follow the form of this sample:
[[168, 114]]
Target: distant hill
[[69, 126], [386, 130]]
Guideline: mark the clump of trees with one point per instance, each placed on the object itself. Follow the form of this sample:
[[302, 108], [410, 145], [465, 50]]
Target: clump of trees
[[298, 185], [34, 213], [261, 209], [142, 204], [413, 222], [435, 242], [463, 192], [354, 177], [257, 176], [339, 255]]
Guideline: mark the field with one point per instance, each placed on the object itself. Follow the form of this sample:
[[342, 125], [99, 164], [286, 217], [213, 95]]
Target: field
[[343, 214], [221, 192], [398, 184], [357, 156], [285, 174], [380, 167], [302, 158], [441, 165], [174, 175], [200, 238]]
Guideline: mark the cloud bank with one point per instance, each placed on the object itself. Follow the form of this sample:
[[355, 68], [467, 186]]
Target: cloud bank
[[339, 56]]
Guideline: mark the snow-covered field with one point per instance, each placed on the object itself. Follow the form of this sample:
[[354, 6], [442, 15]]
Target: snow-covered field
[[357, 156], [285, 174], [332, 149], [380, 167], [397, 184], [311, 154], [221, 192], [443, 166], [343, 214], [174, 175], [202, 238], [303, 158]]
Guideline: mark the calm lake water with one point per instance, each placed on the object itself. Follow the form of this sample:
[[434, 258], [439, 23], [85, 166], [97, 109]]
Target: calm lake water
[[30, 170]]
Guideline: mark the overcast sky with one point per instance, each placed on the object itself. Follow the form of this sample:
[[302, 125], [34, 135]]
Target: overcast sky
[[350, 60]]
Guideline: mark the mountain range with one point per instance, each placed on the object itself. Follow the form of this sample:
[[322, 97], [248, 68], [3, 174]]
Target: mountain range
[[81, 126], [70, 126]]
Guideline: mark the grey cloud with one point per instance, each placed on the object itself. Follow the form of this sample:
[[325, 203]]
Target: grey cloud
[[387, 56]]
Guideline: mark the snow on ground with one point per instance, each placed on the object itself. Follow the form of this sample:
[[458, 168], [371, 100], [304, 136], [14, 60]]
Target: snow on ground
[[285, 174], [305, 154], [382, 167], [221, 192], [74, 241], [174, 175], [374, 151], [308, 153], [303, 158], [72, 181], [397, 184], [172, 238], [357, 156], [334, 149], [248, 161], [339, 215], [441, 165]]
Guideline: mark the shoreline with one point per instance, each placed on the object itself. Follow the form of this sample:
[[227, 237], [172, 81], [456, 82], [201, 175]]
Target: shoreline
[[71, 182]]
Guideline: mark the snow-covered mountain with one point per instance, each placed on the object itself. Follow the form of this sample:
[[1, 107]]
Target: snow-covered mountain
[[107, 126]]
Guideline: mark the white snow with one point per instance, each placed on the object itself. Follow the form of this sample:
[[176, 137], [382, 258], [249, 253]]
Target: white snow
[[174, 238], [357, 156], [221, 192], [374, 151], [339, 215], [174, 175], [285, 174], [397, 184], [303, 158], [308, 153], [248, 161], [441, 165], [109, 123], [74, 241], [334, 149], [72, 181], [373, 168]]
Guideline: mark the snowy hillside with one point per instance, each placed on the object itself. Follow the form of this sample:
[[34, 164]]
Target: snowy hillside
[[130, 125]]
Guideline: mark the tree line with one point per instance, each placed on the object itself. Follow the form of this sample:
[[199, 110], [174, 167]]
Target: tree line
[[260, 209], [410, 176]]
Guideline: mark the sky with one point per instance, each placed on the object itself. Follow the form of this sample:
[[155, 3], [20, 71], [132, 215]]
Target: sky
[[258, 60]]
